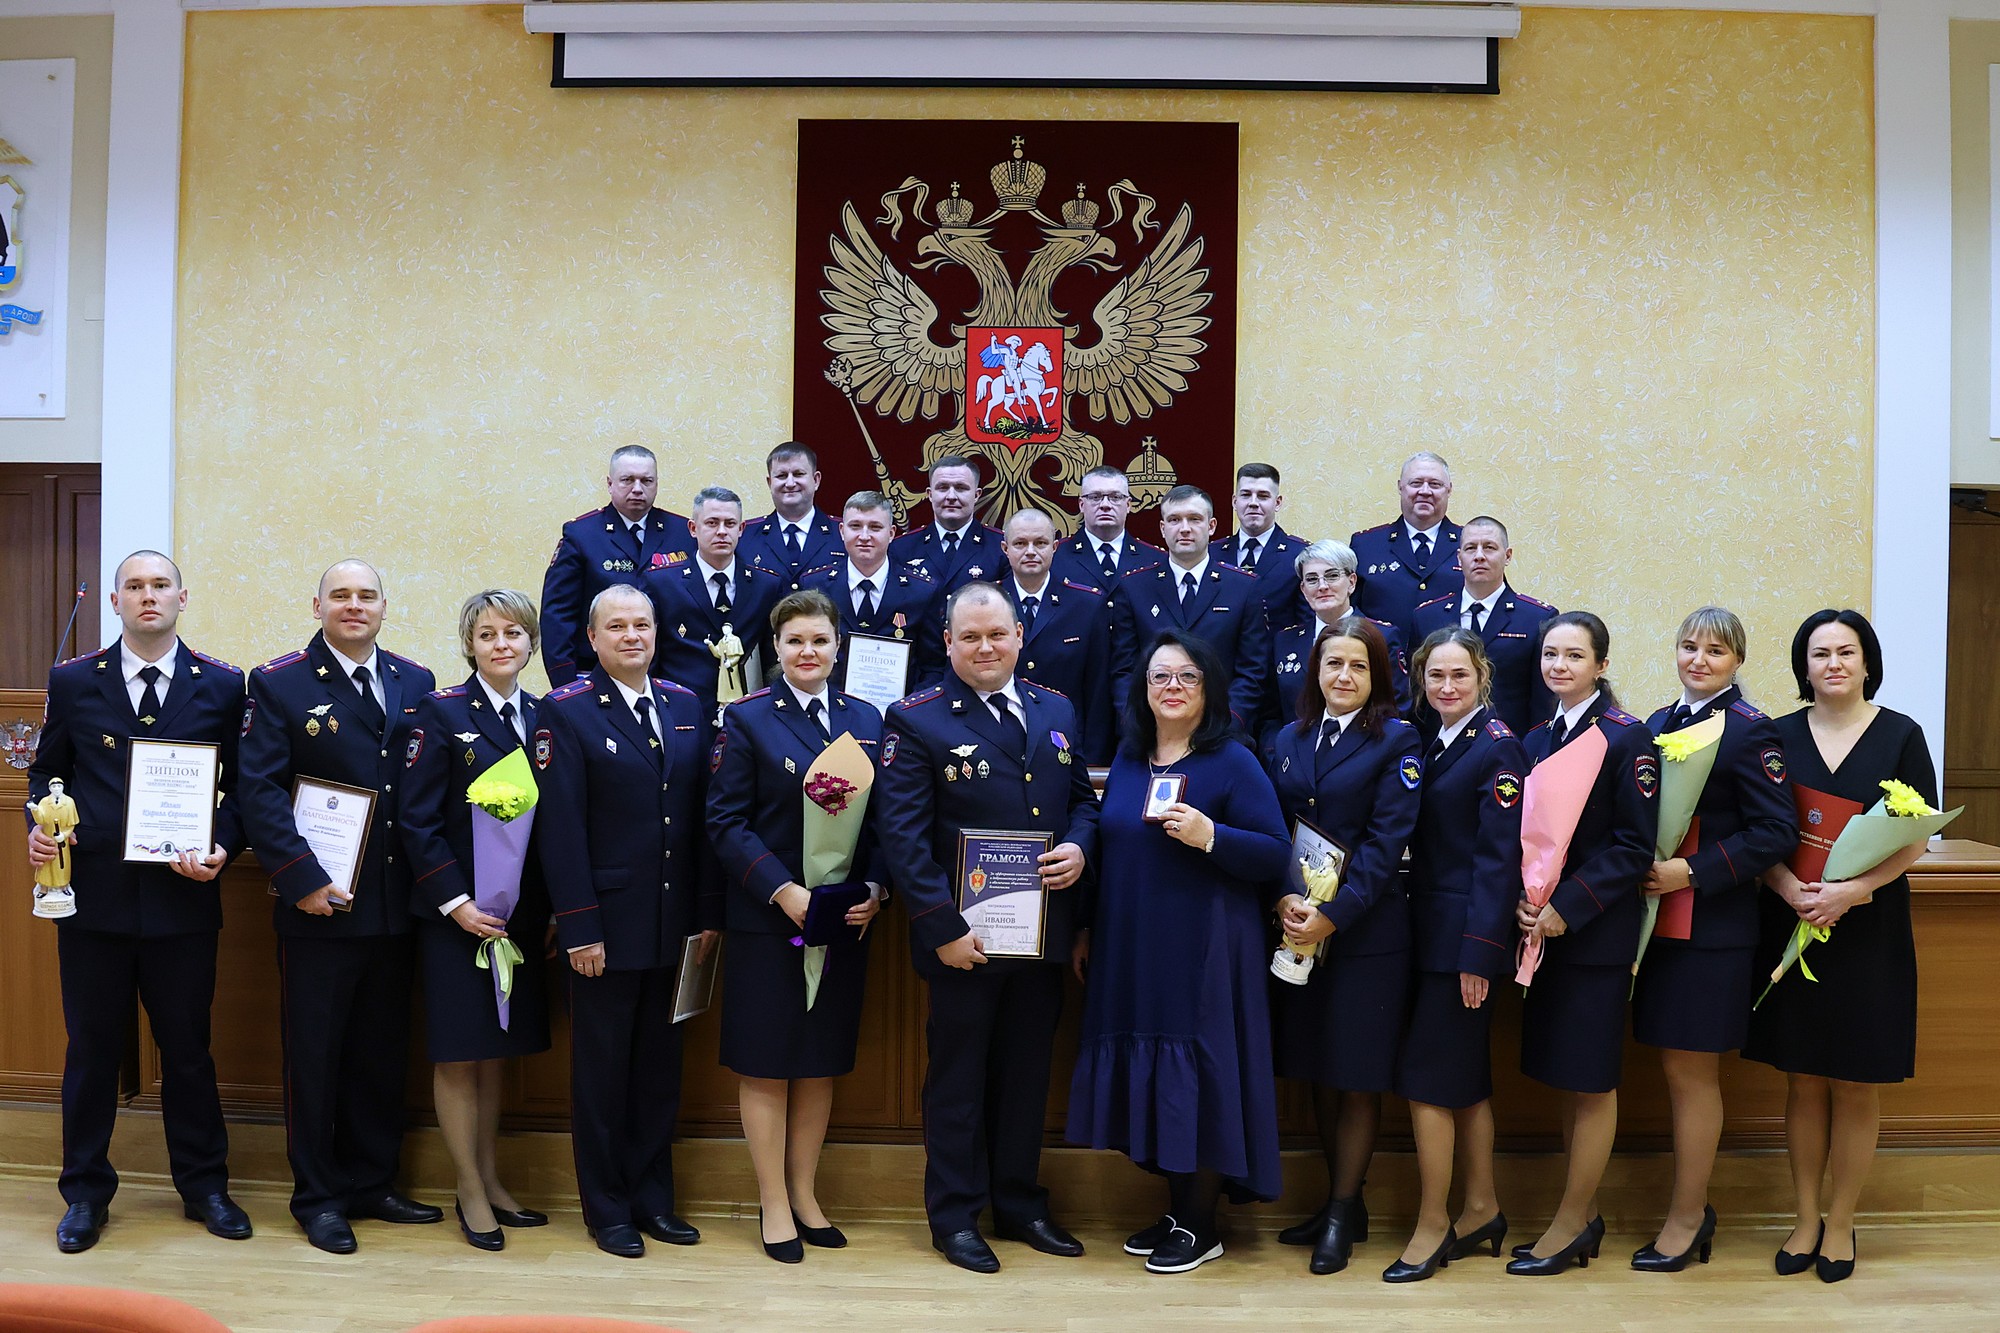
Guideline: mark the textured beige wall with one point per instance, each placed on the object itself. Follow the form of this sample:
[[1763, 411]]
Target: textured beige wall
[[1631, 299], [1975, 454]]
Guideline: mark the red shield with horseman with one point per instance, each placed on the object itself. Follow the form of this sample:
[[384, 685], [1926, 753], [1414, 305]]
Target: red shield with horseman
[[1013, 385]]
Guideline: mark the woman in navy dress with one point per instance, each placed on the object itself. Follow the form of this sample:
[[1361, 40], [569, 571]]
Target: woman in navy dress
[[1350, 768], [786, 1055], [1573, 1022], [1692, 996], [1465, 877], [460, 733], [1326, 571], [1174, 1068], [1839, 1039]]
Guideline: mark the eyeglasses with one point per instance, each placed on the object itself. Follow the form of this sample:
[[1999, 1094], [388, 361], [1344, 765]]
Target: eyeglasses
[[1103, 497], [1325, 580], [1162, 679]]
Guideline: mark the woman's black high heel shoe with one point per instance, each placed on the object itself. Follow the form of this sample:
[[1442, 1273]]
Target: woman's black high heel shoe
[[527, 1217], [1493, 1232], [495, 1239], [1791, 1265], [1836, 1270], [1579, 1251], [1648, 1259], [1440, 1258], [825, 1238], [784, 1251]]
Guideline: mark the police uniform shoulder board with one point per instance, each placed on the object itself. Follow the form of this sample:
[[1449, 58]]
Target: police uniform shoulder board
[[215, 662], [449, 692], [1497, 729], [668, 687], [280, 663], [1621, 717], [1744, 708], [406, 661], [922, 696], [1082, 587], [1435, 601], [581, 685], [1535, 602]]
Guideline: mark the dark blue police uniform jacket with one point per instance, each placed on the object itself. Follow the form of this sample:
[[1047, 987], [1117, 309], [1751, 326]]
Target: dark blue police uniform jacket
[[981, 554], [1076, 561], [456, 736], [595, 551], [1600, 891], [763, 545], [1465, 856], [908, 605], [305, 719], [688, 623], [620, 822], [1362, 792], [1068, 649], [1224, 613], [756, 802], [948, 766], [1745, 822], [1277, 576], [1390, 587], [1291, 654], [1512, 633], [86, 742]]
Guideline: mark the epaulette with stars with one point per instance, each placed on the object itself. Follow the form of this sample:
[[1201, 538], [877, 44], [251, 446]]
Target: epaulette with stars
[[1083, 587], [1497, 729], [922, 696], [1621, 717], [215, 662], [668, 687], [1744, 708], [280, 663], [1379, 527], [581, 685], [1535, 602], [406, 661], [449, 692], [1045, 689], [82, 657], [1437, 601]]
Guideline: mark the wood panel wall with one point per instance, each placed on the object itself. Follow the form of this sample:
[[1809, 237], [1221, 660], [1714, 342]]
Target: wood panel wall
[[1972, 686], [48, 543]]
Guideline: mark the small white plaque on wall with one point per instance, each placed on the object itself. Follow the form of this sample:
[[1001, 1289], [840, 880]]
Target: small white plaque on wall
[[37, 117]]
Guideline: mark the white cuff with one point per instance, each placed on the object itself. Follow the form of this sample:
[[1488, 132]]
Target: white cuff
[[455, 904]]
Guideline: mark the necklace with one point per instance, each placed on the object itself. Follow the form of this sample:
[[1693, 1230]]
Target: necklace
[[1167, 767]]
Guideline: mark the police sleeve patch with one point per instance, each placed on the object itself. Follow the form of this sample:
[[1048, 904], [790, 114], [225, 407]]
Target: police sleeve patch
[[1506, 789], [1411, 772], [889, 748], [249, 713], [1646, 775], [1773, 761], [715, 755], [545, 748], [414, 748]]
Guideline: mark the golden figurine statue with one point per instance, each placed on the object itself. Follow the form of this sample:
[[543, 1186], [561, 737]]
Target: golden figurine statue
[[1322, 881], [56, 816], [728, 652]]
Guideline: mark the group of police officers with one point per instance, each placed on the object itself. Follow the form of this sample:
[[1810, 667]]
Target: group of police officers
[[634, 670]]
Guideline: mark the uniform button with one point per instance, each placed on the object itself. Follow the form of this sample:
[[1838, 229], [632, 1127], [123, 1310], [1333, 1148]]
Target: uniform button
[[663, 786], [1031, 666], [1034, 810], [391, 860], [1311, 801], [666, 819], [392, 823], [385, 754], [388, 787], [1030, 777], [667, 855]]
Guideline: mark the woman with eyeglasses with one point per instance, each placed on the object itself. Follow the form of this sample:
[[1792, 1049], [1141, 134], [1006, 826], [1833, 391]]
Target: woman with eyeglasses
[[1326, 571], [1174, 1068], [1351, 769]]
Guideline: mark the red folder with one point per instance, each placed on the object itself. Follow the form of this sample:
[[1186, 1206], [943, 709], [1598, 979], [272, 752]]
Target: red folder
[[1821, 818], [1676, 919]]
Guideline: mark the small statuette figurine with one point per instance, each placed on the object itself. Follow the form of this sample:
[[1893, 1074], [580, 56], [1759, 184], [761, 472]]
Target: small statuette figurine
[[728, 651], [1322, 879], [56, 816]]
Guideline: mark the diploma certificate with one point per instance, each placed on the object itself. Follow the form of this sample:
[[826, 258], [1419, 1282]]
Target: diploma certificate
[[999, 890], [169, 799], [334, 818], [694, 989], [1318, 864], [878, 670]]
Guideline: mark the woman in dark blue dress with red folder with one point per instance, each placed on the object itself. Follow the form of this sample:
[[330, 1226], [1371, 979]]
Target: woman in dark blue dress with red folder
[[1692, 996], [1352, 769], [785, 1054], [1174, 1068]]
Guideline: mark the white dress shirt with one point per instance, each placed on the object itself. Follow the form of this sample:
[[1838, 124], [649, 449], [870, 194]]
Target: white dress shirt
[[132, 664]]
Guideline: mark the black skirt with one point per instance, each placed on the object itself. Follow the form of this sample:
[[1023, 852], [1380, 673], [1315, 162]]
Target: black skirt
[[1690, 999], [1447, 1057], [767, 1031], [1573, 1025], [1344, 1027], [461, 1019]]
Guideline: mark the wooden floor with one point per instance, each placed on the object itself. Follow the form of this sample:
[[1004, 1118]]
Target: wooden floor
[[1911, 1276]]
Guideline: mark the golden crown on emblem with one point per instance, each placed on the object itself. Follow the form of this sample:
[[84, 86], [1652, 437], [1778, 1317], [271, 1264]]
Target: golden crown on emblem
[[954, 212], [1150, 474], [1079, 212], [1017, 183]]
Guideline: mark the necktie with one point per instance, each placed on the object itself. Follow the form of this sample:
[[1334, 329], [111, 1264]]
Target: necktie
[[1558, 733], [1420, 550], [1681, 716], [864, 607], [638, 531], [370, 709], [1107, 564], [1436, 752], [1475, 616], [149, 700], [794, 545], [817, 712], [1029, 605], [642, 707], [1017, 734], [1187, 588], [1329, 732], [950, 542], [507, 716], [721, 582], [1248, 564]]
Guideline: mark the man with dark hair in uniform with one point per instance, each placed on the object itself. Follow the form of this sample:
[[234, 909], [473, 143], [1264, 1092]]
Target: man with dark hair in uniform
[[795, 536]]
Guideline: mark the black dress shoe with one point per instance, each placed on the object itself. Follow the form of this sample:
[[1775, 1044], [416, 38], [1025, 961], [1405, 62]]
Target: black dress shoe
[[1337, 1237], [527, 1217], [823, 1238], [1440, 1258], [330, 1232], [784, 1251], [78, 1229], [496, 1239], [1579, 1252], [1183, 1251], [1790, 1265], [393, 1207], [1836, 1270], [1306, 1232], [1044, 1235], [1145, 1241], [219, 1213], [1493, 1232], [623, 1240], [668, 1229], [1648, 1259], [968, 1250]]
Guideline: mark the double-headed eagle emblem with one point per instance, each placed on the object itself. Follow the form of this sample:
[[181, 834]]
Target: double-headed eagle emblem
[[1016, 367]]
